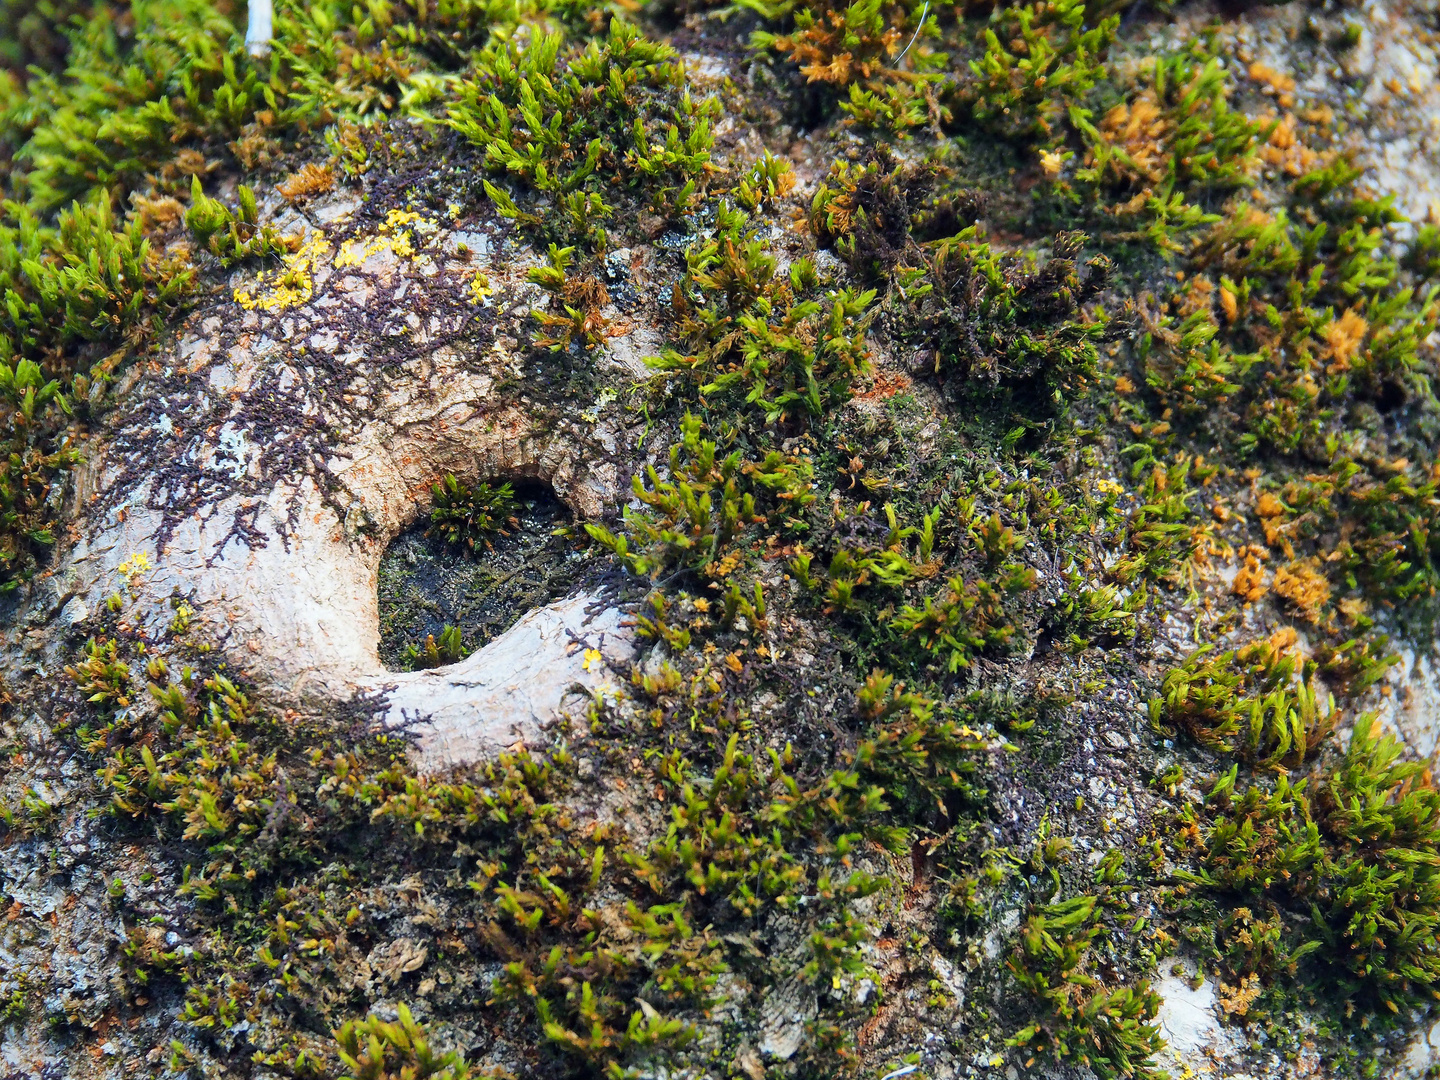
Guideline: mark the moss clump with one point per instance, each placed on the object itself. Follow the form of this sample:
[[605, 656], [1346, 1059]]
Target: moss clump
[[879, 57], [1111, 1032], [372, 1049], [463, 515], [1344, 861], [1257, 701], [793, 349], [232, 236], [1039, 60], [569, 131], [609, 940], [1171, 146]]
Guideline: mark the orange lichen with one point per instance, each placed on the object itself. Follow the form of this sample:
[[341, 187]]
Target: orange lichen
[[1278, 83], [1138, 130], [1285, 151], [886, 385], [1353, 609], [1283, 641], [1273, 514], [157, 215], [1198, 296]]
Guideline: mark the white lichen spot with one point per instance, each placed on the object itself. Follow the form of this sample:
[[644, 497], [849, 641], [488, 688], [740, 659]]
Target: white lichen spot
[[233, 453]]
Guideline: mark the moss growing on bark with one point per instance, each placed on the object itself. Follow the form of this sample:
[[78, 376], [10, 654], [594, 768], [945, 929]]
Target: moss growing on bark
[[888, 443]]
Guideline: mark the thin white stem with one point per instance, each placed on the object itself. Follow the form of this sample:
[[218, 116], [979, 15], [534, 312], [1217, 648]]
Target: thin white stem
[[260, 29], [923, 12]]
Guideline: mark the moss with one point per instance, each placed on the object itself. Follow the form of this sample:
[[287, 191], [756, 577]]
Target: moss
[[567, 132], [1039, 62], [375, 1050], [1259, 700], [584, 917], [430, 588], [1171, 146], [463, 515], [793, 349], [1352, 842], [1112, 1032]]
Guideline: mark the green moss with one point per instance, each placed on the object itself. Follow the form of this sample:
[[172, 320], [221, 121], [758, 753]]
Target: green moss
[[1172, 146], [611, 940], [231, 236], [793, 350], [431, 591], [1259, 701], [1110, 1031], [1354, 846], [566, 131], [797, 513], [1039, 62], [372, 1049], [463, 515]]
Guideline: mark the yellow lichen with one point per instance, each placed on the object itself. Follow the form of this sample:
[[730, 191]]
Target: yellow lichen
[[291, 285], [480, 290], [137, 563], [395, 236]]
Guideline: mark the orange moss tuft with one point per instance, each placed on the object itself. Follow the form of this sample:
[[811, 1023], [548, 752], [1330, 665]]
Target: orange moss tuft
[[1344, 336], [1249, 582], [309, 181], [1302, 584]]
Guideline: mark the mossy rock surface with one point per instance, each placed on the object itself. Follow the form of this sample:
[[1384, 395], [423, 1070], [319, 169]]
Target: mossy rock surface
[[998, 441]]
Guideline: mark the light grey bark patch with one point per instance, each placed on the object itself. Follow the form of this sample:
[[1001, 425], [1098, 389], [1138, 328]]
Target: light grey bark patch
[[503, 693]]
